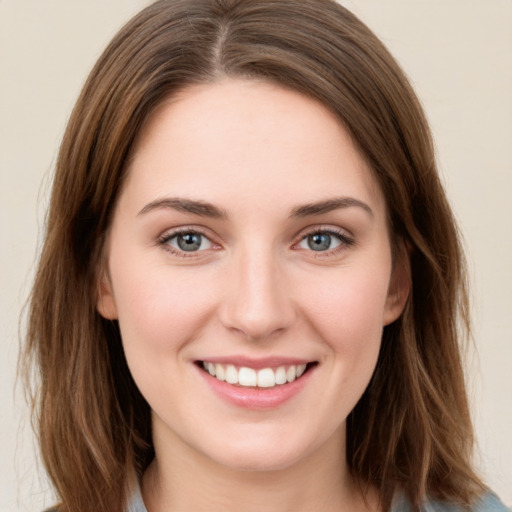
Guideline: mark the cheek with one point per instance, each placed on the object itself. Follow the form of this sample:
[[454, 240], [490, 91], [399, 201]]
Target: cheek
[[349, 307], [159, 308], [347, 313], [160, 313]]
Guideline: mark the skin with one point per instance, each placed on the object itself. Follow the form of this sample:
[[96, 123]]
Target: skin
[[257, 152]]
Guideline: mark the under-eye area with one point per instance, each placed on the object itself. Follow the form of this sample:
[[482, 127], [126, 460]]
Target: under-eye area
[[256, 378]]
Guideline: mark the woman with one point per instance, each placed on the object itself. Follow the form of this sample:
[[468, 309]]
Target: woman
[[251, 282]]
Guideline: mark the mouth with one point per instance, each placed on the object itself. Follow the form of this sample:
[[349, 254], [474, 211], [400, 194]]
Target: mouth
[[256, 378]]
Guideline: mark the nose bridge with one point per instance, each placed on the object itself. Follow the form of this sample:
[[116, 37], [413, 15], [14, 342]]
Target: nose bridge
[[258, 302]]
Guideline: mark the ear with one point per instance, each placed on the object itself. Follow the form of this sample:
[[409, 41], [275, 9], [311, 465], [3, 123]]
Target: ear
[[106, 304], [399, 287]]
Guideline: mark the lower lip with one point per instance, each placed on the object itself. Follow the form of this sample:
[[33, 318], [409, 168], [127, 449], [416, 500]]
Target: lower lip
[[256, 398]]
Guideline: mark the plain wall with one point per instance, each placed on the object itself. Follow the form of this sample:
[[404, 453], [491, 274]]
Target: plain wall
[[457, 53]]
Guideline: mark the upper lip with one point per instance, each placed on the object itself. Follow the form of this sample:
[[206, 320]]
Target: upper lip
[[257, 363]]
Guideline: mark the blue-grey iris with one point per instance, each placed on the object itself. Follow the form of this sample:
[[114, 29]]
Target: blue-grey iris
[[189, 241], [319, 242]]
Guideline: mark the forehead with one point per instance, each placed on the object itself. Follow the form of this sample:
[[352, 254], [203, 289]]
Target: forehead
[[252, 138]]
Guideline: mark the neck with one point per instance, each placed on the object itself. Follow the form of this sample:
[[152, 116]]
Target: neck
[[185, 480]]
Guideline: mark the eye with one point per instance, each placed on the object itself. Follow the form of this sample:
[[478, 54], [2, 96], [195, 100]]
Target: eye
[[187, 241], [323, 241]]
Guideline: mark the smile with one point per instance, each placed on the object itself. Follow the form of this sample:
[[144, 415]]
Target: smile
[[255, 378]]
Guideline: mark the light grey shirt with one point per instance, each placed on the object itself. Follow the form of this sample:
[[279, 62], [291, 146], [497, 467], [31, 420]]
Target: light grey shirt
[[136, 504], [488, 503]]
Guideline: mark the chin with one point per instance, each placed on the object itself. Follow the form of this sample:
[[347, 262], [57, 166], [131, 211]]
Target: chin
[[257, 462], [259, 454]]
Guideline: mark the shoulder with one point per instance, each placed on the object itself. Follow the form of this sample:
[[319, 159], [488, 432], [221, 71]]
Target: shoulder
[[489, 502], [135, 503]]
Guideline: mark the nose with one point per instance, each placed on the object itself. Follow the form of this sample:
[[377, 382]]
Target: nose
[[258, 302]]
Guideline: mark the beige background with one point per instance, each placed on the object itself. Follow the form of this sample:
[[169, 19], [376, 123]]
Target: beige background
[[458, 54]]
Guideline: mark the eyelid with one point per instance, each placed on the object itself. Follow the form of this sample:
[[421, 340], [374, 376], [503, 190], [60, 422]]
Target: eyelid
[[166, 236], [344, 236]]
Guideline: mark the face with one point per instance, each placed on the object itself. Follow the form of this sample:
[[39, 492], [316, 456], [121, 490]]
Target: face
[[249, 267]]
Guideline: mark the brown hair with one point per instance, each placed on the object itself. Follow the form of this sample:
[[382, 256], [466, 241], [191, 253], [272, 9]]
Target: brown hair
[[411, 429]]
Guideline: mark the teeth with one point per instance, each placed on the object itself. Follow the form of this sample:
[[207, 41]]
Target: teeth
[[266, 378], [249, 377], [231, 374], [219, 372], [281, 375]]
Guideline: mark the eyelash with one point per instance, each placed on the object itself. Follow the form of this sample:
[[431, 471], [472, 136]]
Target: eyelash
[[344, 239], [167, 237]]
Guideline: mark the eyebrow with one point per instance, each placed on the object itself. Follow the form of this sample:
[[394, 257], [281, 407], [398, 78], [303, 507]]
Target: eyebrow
[[205, 209], [328, 205], [201, 208]]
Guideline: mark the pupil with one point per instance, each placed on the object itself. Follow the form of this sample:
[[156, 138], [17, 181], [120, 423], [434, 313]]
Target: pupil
[[319, 242], [189, 241]]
